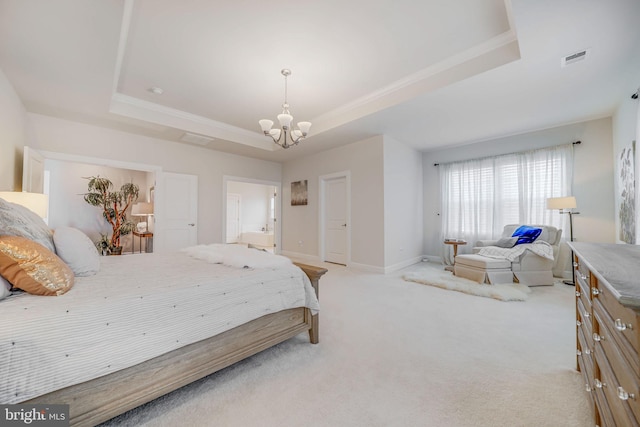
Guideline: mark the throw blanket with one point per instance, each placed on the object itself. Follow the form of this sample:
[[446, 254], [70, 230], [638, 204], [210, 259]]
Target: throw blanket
[[236, 256], [541, 248]]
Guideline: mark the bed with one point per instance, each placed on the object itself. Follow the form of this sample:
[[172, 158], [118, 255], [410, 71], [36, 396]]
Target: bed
[[144, 325]]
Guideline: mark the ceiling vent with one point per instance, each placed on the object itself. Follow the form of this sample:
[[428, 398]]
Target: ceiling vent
[[192, 138], [574, 57]]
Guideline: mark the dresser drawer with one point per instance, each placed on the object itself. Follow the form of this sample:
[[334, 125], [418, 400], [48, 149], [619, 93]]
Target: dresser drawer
[[583, 286], [625, 319], [603, 417], [623, 380], [605, 380], [587, 375], [622, 324], [584, 320]]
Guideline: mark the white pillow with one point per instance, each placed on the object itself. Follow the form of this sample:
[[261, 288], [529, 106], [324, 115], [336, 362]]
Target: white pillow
[[77, 250], [5, 288]]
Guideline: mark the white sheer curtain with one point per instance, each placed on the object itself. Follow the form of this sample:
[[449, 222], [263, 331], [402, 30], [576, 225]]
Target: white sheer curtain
[[479, 197]]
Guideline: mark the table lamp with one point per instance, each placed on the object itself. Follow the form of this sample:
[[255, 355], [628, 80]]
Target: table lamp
[[35, 202], [143, 209]]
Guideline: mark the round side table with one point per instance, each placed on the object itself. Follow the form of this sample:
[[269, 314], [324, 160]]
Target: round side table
[[455, 243]]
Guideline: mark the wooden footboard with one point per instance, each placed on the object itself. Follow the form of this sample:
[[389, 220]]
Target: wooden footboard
[[98, 400]]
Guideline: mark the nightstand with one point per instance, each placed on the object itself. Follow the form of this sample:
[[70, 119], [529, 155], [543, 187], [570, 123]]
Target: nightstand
[[142, 234]]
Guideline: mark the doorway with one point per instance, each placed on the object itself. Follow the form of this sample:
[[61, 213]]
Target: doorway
[[251, 213]]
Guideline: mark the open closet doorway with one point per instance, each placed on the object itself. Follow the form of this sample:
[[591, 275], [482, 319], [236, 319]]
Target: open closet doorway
[[252, 209]]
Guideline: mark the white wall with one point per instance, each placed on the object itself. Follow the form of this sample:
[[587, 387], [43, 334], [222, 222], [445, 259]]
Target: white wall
[[364, 161], [403, 210], [593, 184], [626, 128], [57, 135], [13, 135], [66, 203]]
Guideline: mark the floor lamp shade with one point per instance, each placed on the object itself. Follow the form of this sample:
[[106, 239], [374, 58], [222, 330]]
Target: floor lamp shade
[[36, 202], [562, 203]]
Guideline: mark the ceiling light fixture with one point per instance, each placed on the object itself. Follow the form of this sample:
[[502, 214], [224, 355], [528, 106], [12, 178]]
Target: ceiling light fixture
[[285, 118]]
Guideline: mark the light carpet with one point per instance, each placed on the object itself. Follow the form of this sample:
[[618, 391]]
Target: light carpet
[[446, 280], [397, 353]]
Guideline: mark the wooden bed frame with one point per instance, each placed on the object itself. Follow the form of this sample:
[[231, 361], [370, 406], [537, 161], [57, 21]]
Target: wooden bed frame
[[101, 399]]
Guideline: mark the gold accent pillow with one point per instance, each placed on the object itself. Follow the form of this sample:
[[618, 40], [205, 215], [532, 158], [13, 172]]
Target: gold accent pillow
[[32, 267]]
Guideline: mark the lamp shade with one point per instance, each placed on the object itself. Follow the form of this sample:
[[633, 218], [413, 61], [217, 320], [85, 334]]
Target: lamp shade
[[36, 202], [142, 209], [561, 203]]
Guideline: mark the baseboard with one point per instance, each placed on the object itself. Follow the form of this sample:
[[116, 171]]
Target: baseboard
[[366, 268], [402, 264], [432, 258]]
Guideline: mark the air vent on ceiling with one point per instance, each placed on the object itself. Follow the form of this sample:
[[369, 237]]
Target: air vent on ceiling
[[574, 57], [196, 139]]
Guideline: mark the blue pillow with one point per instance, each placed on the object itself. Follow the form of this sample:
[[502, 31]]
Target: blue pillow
[[526, 234]]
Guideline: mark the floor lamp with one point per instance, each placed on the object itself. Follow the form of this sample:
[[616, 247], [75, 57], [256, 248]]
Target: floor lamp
[[566, 205]]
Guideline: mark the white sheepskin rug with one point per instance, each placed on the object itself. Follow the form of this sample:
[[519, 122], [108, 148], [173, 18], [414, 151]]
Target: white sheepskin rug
[[236, 256], [446, 280]]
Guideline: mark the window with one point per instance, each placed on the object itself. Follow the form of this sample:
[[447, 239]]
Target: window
[[480, 197]]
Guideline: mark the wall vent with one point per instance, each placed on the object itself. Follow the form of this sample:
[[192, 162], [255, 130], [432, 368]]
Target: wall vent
[[196, 139], [574, 57]]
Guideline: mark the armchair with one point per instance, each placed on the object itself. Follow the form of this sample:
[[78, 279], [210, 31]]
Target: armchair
[[529, 268]]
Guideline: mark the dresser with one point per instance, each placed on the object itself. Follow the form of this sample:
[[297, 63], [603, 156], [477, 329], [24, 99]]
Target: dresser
[[607, 279]]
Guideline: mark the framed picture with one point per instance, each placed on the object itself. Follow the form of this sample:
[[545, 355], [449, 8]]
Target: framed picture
[[626, 184], [299, 193]]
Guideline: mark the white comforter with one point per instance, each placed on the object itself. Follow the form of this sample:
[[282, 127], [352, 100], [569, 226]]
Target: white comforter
[[136, 308], [541, 248]]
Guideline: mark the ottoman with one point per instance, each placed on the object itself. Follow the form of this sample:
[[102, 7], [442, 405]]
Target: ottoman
[[483, 269]]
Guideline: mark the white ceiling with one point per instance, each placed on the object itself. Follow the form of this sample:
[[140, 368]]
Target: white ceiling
[[429, 73]]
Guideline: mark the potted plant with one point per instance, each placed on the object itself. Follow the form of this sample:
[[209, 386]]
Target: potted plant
[[114, 206]]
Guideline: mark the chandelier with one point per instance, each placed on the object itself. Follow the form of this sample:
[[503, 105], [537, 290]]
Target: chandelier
[[289, 137]]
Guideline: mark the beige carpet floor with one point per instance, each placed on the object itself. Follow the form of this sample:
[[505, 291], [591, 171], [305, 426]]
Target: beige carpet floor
[[398, 353]]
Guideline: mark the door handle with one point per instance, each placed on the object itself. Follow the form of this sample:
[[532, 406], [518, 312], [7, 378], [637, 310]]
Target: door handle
[[344, 225], [191, 225]]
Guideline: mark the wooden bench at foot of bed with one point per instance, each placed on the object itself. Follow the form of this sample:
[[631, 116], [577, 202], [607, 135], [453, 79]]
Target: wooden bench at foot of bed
[[103, 398]]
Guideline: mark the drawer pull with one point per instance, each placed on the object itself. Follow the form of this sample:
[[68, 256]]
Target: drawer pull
[[599, 383], [578, 323], [623, 395], [587, 315], [595, 291], [598, 338], [587, 351], [588, 388], [583, 276], [621, 326], [575, 264], [578, 293], [578, 352]]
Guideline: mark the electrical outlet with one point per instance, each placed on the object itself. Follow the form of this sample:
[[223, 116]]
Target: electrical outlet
[[300, 243]]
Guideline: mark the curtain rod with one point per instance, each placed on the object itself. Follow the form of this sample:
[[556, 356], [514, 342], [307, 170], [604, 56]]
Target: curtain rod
[[574, 143]]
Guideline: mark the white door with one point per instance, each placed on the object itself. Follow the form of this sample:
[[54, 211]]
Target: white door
[[233, 218], [32, 171], [176, 212], [335, 218]]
